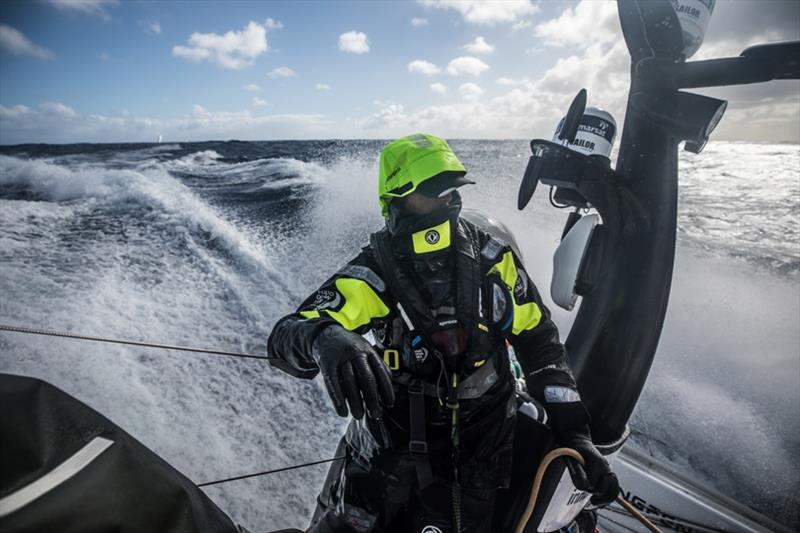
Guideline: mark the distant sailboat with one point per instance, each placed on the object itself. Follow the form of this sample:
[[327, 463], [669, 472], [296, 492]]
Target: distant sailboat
[[159, 139]]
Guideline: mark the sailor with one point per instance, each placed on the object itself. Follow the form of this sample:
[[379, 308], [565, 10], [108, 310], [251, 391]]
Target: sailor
[[443, 300]]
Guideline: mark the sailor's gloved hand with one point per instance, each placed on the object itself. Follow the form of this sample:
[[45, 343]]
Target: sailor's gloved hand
[[354, 374], [596, 476]]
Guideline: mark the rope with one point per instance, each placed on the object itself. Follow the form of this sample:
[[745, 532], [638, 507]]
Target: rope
[[537, 482], [31, 331], [236, 478]]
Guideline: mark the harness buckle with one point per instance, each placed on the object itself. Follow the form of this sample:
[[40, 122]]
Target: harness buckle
[[392, 359], [417, 446], [416, 387]]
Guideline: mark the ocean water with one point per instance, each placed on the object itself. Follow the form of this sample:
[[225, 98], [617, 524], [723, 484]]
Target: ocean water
[[208, 244]]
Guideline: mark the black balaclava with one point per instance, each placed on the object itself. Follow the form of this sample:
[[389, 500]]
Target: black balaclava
[[434, 272]]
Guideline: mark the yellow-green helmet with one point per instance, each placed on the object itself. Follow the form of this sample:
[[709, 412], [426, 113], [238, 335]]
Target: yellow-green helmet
[[409, 161]]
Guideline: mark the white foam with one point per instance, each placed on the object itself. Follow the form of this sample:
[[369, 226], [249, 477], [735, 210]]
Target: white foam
[[297, 173], [197, 159], [152, 187]]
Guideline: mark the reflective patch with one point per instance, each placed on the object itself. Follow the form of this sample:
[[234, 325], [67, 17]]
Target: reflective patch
[[431, 529], [432, 239], [420, 354], [548, 367], [530, 410], [326, 299], [561, 395], [420, 141], [521, 286], [365, 274], [491, 249], [499, 303]]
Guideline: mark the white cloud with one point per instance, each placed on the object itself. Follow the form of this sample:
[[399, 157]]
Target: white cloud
[[530, 107], [733, 46], [14, 42], [527, 107], [521, 25], [259, 102], [470, 91], [252, 87], [482, 12], [418, 22], [87, 7], [439, 88], [54, 122], [57, 108], [511, 82], [479, 46], [152, 27], [391, 113], [354, 42], [281, 72], [466, 65], [272, 24], [104, 57], [323, 87], [590, 22], [13, 112], [421, 66], [234, 49]]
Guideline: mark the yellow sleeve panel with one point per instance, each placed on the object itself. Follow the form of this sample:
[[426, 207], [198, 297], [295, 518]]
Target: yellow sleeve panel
[[361, 304], [527, 315]]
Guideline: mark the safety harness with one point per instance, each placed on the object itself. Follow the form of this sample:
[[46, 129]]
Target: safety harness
[[422, 323]]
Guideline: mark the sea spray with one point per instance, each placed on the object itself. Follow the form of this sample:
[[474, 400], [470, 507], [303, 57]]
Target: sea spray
[[208, 244]]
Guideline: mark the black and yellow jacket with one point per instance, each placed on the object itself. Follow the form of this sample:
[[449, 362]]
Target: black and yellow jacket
[[359, 297]]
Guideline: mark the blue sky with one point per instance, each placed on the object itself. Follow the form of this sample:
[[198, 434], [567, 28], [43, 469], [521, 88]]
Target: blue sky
[[100, 70]]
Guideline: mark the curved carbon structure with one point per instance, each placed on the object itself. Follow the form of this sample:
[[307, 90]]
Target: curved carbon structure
[[616, 332]]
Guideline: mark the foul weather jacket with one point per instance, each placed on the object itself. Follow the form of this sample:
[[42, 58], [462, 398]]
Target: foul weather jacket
[[358, 298]]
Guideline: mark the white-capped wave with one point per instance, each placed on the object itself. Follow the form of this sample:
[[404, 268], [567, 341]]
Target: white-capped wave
[[152, 187], [164, 148], [288, 172], [197, 159], [259, 174]]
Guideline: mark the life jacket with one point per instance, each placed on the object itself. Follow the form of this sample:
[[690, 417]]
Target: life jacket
[[465, 347], [415, 343]]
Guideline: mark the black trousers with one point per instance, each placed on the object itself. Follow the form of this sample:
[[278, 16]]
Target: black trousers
[[383, 496], [376, 489]]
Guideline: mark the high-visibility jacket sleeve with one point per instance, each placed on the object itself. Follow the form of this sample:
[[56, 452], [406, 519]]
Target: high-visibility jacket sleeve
[[538, 348], [354, 298]]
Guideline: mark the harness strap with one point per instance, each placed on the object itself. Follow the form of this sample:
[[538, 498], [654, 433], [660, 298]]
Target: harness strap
[[417, 444], [420, 319], [474, 386]]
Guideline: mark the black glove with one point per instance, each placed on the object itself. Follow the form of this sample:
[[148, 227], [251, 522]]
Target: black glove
[[352, 371], [596, 476]]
